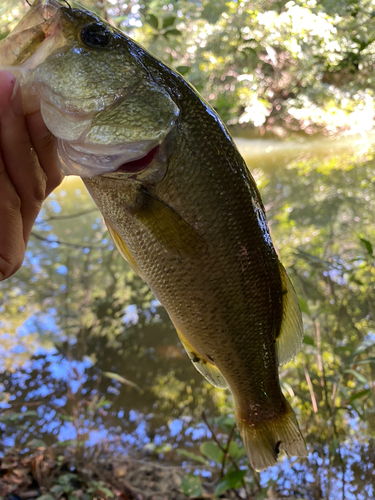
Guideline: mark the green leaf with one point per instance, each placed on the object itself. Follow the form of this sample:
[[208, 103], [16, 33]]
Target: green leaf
[[99, 486], [29, 413], [262, 494], [363, 346], [303, 306], [192, 456], [231, 480], [46, 497], [65, 418], [225, 423], [153, 21], [164, 448], [66, 478], [335, 445], [359, 394], [358, 376], [122, 380], [69, 442], [368, 246], [168, 21], [59, 489], [236, 451], [365, 361], [191, 485], [211, 450], [172, 32], [308, 340], [103, 402], [183, 69]]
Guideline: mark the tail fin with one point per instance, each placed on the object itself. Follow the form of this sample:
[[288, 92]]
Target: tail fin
[[263, 440]]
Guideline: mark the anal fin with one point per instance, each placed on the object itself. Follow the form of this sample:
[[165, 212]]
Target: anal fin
[[206, 368], [289, 340]]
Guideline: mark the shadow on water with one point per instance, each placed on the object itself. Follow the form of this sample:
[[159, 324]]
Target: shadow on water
[[88, 356]]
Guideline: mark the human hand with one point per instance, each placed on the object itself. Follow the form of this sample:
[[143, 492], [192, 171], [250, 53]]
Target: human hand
[[28, 173]]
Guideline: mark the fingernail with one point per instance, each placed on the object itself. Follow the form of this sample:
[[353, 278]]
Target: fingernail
[[16, 100]]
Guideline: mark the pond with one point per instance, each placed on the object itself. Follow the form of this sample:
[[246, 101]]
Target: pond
[[88, 357]]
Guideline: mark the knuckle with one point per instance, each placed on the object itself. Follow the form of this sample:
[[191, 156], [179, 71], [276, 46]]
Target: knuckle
[[55, 178], [38, 190], [48, 142], [39, 193]]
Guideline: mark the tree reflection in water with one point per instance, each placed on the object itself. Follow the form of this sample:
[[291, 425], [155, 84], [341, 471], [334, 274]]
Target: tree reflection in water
[[76, 311]]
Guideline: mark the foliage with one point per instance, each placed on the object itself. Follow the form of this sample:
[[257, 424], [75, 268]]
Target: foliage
[[303, 65], [191, 486]]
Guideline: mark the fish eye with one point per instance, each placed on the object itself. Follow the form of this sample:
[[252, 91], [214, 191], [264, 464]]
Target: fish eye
[[95, 35]]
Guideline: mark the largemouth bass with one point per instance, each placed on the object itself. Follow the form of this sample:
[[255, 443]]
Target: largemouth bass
[[179, 203]]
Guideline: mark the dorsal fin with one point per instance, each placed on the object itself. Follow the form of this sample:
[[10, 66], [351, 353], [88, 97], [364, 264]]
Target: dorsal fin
[[123, 249], [205, 367], [289, 341]]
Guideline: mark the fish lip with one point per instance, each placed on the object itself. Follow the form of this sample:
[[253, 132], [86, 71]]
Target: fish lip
[[99, 162]]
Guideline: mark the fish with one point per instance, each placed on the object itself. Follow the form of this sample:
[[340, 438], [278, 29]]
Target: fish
[[179, 202]]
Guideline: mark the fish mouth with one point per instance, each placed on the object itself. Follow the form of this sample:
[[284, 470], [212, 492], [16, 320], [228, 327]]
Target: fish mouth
[[128, 158], [77, 155], [139, 165]]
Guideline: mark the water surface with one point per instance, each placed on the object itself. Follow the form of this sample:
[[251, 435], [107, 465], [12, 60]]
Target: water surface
[[76, 313]]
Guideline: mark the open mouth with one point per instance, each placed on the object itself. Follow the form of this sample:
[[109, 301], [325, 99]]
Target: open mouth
[[137, 166]]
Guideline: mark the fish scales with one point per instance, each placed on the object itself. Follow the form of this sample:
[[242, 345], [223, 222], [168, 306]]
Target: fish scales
[[229, 296], [179, 203]]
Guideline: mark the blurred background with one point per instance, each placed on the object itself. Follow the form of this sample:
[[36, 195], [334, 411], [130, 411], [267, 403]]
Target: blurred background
[[89, 360]]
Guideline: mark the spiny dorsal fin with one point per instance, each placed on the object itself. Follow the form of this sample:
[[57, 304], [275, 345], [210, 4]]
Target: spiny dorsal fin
[[123, 249], [168, 227], [206, 368], [289, 341]]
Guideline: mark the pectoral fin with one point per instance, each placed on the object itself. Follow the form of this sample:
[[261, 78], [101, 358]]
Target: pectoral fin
[[205, 367], [122, 248], [289, 341], [168, 227]]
